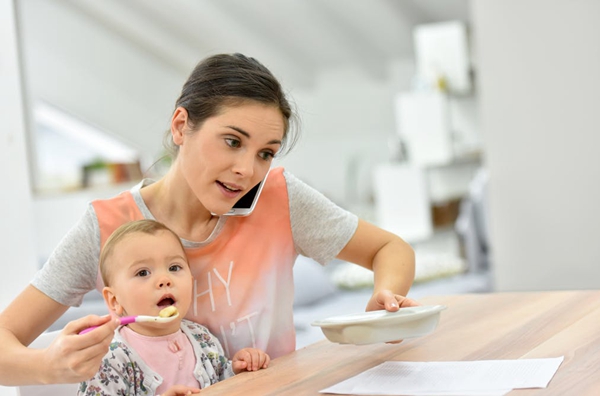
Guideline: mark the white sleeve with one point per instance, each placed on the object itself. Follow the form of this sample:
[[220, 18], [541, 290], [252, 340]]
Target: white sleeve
[[72, 268], [320, 228]]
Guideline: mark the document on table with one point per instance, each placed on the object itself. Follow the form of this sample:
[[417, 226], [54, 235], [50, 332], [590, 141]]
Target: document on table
[[481, 377]]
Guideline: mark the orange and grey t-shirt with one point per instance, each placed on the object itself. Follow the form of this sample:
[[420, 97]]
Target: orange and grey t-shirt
[[243, 278]]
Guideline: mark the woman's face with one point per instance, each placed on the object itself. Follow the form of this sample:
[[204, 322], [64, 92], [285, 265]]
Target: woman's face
[[230, 153]]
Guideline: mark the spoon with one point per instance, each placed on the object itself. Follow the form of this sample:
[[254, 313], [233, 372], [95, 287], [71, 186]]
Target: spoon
[[164, 316]]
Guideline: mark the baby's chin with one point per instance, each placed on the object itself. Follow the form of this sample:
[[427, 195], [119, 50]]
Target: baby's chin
[[153, 329]]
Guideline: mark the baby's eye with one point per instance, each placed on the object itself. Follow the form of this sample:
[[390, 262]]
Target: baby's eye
[[175, 268], [235, 143], [142, 273]]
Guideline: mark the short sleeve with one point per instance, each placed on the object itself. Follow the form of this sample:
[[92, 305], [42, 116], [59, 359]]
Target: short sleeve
[[320, 228], [72, 268]]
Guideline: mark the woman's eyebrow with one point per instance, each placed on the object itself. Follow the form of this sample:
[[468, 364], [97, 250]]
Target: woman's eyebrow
[[240, 130]]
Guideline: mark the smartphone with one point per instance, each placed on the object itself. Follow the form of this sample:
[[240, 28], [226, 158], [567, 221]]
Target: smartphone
[[246, 204]]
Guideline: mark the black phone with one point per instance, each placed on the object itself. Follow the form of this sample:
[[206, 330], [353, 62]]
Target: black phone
[[245, 205]]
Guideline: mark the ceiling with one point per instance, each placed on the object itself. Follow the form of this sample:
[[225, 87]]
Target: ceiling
[[295, 38]]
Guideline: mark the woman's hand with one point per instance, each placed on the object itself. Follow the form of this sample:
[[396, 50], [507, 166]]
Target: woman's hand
[[389, 301], [75, 358], [250, 359], [177, 390]]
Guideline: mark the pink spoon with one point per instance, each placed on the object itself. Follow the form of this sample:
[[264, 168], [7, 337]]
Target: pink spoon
[[137, 319]]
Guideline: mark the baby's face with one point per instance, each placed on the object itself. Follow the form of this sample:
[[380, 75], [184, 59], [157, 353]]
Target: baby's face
[[149, 273]]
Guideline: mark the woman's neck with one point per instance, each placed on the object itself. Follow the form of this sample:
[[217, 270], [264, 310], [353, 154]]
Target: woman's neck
[[171, 202]]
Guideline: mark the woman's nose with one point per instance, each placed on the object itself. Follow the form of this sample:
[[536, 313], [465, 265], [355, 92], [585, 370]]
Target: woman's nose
[[245, 165]]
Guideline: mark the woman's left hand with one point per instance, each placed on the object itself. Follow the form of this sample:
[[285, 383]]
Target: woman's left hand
[[389, 301], [386, 299]]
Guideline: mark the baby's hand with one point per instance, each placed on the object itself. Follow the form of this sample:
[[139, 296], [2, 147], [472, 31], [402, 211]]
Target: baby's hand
[[178, 390], [250, 359]]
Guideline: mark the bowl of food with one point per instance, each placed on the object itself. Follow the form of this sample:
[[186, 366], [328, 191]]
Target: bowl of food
[[381, 326]]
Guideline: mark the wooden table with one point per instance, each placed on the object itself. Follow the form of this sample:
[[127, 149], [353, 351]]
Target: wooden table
[[474, 327]]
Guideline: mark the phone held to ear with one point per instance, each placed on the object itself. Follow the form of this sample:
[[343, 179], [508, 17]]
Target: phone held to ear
[[246, 204]]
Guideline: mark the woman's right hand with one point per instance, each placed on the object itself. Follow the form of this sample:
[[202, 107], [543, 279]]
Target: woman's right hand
[[74, 357]]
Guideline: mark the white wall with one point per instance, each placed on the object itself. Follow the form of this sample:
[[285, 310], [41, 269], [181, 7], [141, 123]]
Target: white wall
[[78, 65], [81, 66], [540, 90], [347, 120], [16, 224]]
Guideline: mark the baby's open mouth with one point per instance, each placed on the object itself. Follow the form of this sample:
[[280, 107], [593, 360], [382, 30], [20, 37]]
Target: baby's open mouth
[[165, 302]]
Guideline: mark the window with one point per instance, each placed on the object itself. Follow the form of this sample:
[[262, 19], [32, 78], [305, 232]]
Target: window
[[71, 154]]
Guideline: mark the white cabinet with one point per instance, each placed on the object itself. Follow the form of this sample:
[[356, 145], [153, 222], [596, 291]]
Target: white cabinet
[[423, 123], [441, 160], [402, 201]]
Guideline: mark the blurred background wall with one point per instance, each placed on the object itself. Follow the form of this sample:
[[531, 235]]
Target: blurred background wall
[[540, 90], [17, 223], [119, 67]]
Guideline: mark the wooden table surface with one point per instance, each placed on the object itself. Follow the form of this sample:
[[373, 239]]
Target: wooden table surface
[[474, 327]]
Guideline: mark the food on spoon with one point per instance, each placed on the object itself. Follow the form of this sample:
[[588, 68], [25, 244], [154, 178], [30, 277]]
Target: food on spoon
[[168, 312]]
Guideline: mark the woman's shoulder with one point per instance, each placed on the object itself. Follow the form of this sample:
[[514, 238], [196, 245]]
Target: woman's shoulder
[[281, 178], [119, 209], [275, 188]]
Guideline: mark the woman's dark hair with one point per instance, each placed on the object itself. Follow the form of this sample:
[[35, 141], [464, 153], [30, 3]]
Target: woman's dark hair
[[230, 80]]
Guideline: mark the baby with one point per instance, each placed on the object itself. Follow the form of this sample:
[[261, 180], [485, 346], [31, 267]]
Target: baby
[[145, 272]]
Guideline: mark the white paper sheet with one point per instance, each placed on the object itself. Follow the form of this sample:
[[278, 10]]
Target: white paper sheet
[[481, 377]]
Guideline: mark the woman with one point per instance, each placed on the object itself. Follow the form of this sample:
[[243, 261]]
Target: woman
[[231, 119]]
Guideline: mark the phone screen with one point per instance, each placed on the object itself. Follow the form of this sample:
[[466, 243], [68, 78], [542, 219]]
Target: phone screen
[[245, 205], [246, 201]]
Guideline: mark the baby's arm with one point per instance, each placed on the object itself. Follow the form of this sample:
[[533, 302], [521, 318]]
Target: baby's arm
[[250, 359]]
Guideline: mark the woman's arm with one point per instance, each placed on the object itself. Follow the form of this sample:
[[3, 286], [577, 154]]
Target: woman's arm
[[391, 259], [321, 229], [69, 358]]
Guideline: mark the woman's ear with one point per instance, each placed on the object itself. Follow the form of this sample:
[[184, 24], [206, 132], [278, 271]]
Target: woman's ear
[[111, 301], [179, 123]]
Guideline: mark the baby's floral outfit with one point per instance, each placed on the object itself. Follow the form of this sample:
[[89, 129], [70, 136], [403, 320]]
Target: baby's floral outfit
[[124, 373]]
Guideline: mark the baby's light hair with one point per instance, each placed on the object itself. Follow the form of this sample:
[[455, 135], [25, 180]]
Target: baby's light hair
[[145, 226]]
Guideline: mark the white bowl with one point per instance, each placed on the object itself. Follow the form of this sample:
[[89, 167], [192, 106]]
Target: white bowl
[[381, 326]]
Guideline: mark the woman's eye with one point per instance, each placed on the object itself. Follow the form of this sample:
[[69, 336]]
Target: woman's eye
[[235, 143], [142, 273], [266, 155]]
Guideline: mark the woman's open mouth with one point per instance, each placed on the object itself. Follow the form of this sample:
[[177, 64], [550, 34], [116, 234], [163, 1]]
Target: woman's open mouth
[[229, 190]]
